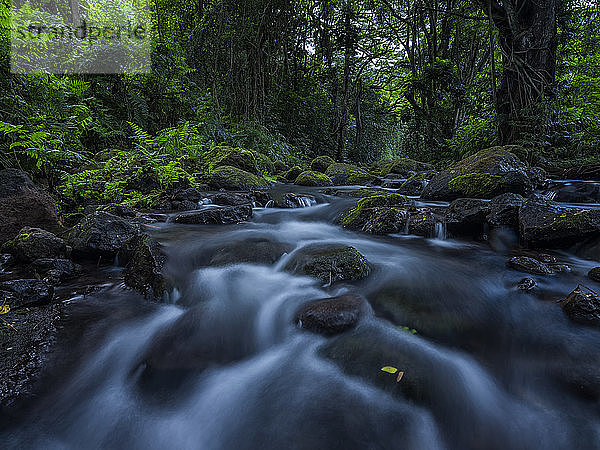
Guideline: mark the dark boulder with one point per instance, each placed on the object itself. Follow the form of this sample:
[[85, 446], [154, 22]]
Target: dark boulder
[[145, 262], [23, 204], [504, 210], [35, 243], [486, 174], [100, 235], [333, 315], [594, 274], [466, 216], [385, 220], [252, 250], [215, 215], [329, 263], [529, 265], [544, 223], [582, 306], [423, 222], [25, 293]]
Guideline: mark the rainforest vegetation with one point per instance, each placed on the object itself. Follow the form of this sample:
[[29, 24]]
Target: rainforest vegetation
[[359, 81]]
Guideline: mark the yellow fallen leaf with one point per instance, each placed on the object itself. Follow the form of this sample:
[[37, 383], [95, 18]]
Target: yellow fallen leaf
[[4, 309], [389, 369]]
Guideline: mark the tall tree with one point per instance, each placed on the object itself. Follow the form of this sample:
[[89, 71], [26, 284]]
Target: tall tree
[[527, 34]]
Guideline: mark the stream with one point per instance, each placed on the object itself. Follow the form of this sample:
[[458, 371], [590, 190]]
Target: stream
[[222, 365]]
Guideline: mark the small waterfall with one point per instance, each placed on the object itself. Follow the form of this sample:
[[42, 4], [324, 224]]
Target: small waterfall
[[440, 231], [306, 202]]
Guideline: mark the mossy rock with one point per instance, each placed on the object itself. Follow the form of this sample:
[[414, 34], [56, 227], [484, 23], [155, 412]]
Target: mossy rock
[[279, 166], [543, 223], [358, 216], [486, 174], [321, 163], [232, 157], [310, 178], [329, 263], [415, 184], [342, 174], [364, 192], [232, 178], [292, 173], [403, 166], [477, 185]]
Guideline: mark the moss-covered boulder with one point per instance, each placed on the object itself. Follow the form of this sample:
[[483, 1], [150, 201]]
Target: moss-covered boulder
[[100, 236], [422, 222], [279, 167], [239, 158], [311, 178], [292, 173], [232, 178], [329, 263], [321, 163], [543, 223], [342, 174], [35, 243], [400, 166], [486, 174], [366, 211]]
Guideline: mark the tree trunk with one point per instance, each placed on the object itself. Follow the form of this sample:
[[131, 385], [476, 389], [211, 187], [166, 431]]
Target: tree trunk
[[528, 39]]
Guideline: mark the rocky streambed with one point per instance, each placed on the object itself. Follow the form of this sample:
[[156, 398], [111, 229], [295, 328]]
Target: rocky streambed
[[352, 316]]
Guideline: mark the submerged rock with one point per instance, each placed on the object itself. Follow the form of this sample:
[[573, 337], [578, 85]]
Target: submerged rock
[[333, 315], [252, 250], [526, 284], [329, 263], [35, 243], [594, 274], [23, 204], [544, 223], [486, 174], [311, 178], [100, 235], [582, 306], [215, 215], [529, 265]]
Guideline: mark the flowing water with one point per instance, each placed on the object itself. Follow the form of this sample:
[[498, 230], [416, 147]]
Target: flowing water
[[224, 366]]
